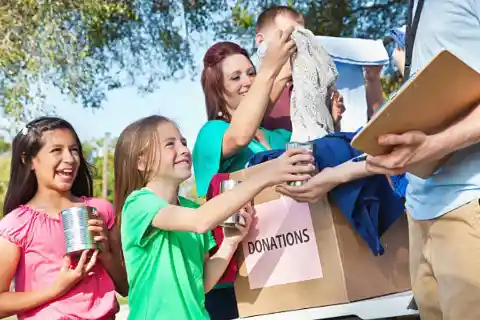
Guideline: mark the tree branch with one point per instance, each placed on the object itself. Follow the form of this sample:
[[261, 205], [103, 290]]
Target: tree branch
[[378, 6]]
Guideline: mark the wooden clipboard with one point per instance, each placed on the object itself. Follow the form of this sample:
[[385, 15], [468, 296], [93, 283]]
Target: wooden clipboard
[[441, 93]]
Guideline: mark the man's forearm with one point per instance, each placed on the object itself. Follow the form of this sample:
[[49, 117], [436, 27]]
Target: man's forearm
[[215, 266], [373, 89], [461, 134]]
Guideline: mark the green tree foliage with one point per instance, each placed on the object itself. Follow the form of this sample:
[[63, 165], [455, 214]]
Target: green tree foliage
[[357, 18], [92, 151], [87, 47], [4, 176], [4, 145], [391, 83]]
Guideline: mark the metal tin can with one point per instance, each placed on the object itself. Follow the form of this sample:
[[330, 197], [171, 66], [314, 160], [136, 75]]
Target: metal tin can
[[309, 146], [75, 229], [235, 218]]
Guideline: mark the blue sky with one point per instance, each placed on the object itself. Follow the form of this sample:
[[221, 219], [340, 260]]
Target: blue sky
[[182, 101]]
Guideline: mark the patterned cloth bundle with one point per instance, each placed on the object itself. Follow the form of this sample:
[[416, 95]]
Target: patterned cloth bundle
[[314, 75]]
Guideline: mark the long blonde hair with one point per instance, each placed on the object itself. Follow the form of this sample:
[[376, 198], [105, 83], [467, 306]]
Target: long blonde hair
[[138, 140]]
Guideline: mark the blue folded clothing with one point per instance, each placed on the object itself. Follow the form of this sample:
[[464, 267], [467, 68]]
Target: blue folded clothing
[[369, 204]]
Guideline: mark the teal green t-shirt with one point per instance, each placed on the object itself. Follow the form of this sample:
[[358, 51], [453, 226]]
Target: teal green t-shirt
[[164, 268], [207, 152]]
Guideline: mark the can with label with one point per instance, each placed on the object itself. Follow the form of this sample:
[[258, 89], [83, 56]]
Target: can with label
[[75, 229], [308, 146], [236, 218]]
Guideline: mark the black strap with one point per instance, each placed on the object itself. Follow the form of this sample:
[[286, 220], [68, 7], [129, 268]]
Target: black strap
[[411, 32]]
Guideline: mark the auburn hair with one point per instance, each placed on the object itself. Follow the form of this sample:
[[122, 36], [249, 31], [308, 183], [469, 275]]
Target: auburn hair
[[212, 78]]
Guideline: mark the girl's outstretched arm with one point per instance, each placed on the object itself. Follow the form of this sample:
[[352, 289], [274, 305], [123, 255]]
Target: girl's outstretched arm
[[324, 181], [210, 214], [216, 210], [12, 303]]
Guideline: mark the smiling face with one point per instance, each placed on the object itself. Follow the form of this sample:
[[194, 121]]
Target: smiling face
[[238, 75], [57, 162], [173, 161]]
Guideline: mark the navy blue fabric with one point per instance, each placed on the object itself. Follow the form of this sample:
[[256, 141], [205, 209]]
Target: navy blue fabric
[[221, 304], [369, 204]]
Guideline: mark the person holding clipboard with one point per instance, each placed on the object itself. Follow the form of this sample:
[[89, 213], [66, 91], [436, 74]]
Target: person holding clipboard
[[443, 209]]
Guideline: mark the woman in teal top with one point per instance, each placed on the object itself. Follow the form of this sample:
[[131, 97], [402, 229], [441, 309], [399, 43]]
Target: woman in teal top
[[207, 153], [236, 105]]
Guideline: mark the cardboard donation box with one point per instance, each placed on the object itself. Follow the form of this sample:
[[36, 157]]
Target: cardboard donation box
[[302, 255]]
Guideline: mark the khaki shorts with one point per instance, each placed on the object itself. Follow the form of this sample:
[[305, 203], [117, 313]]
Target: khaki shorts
[[445, 264]]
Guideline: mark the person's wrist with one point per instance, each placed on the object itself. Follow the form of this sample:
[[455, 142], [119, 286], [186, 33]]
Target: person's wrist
[[335, 177], [263, 179], [53, 292], [436, 147], [230, 244]]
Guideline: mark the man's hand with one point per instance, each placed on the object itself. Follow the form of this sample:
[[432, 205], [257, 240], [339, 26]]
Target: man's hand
[[315, 188], [338, 107], [409, 150]]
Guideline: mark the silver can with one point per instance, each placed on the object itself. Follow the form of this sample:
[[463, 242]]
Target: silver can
[[75, 229], [236, 218], [310, 147]]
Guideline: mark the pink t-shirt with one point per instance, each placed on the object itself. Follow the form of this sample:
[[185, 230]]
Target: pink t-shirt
[[41, 240], [279, 117]]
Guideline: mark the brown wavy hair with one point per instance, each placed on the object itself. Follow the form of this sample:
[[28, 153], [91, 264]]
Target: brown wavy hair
[[212, 78], [23, 185]]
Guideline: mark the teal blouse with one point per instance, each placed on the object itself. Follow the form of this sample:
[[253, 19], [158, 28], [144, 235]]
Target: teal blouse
[[207, 152]]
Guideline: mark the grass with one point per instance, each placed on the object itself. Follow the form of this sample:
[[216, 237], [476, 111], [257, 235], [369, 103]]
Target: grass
[[122, 300], [4, 168], [4, 176]]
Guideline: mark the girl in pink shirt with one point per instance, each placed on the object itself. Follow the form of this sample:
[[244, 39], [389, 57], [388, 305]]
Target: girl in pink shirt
[[49, 174]]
